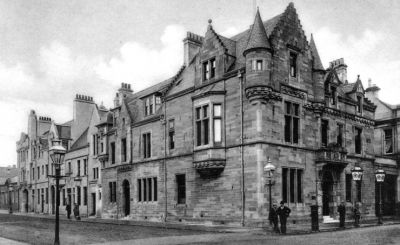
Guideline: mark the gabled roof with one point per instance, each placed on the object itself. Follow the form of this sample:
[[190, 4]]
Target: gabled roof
[[81, 141], [258, 37], [314, 52]]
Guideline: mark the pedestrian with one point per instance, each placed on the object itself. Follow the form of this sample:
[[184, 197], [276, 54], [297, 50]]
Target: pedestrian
[[357, 215], [76, 212], [68, 208], [283, 213], [273, 217], [342, 214]]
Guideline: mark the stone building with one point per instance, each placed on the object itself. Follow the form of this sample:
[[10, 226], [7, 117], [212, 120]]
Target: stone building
[[9, 188], [387, 149], [37, 187], [193, 147]]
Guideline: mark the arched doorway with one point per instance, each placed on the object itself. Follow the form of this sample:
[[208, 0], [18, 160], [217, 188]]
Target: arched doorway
[[327, 192], [126, 197], [53, 199], [25, 200]]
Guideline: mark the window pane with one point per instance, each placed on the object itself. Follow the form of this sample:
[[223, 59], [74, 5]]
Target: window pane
[[155, 188], [296, 109], [205, 111], [206, 130], [388, 141], [299, 186], [217, 110], [181, 188], [144, 190], [292, 181], [149, 189], [259, 65], [288, 107], [287, 128], [139, 190], [198, 133], [217, 130], [284, 184], [324, 132], [253, 65], [295, 130], [198, 115]]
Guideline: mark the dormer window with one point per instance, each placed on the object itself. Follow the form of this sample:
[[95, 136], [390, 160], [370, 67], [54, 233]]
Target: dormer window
[[359, 104], [209, 69], [293, 64], [151, 104], [333, 95]]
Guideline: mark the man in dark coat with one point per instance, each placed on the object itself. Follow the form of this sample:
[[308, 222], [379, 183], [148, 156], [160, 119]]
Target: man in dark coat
[[68, 208], [273, 217], [76, 212], [342, 214], [283, 213]]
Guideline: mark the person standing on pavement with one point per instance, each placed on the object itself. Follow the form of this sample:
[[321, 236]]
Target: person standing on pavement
[[76, 212], [68, 208], [342, 214], [273, 217], [357, 215], [283, 213]]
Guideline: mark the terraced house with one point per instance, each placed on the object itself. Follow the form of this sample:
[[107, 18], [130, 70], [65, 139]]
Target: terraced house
[[193, 147]]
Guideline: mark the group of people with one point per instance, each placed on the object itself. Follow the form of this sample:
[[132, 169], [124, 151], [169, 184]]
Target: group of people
[[280, 213], [76, 211]]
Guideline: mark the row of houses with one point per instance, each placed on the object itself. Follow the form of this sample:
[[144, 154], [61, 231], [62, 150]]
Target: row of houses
[[194, 147]]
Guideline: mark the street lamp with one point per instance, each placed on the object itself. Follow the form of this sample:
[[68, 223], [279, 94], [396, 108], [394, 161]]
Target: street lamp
[[9, 189], [57, 153], [269, 169], [380, 178], [357, 173]]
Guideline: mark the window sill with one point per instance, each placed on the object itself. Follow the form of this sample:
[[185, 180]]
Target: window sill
[[147, 203]]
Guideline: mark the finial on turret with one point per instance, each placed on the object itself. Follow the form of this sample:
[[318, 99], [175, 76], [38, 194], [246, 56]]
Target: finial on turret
[[209, 21]]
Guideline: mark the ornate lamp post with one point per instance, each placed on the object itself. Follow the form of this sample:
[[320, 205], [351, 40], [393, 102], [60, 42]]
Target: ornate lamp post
[[269, 169], [357, 173], [380, 178], [57, 153], [9, 189]]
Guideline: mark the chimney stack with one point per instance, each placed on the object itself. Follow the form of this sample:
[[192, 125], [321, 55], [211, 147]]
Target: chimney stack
[[191, 46], [341, 69]]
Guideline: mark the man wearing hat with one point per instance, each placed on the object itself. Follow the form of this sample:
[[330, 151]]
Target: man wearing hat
[[283, 213], [273, 217]]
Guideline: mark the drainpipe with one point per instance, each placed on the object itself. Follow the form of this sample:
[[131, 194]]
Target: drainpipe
[[241, 147], [165, 161]]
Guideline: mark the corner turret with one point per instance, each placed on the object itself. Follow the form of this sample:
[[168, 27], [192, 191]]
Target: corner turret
[[258, 62]]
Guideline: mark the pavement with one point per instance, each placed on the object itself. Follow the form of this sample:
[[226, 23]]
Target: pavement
[[4, 241], [216, 232]]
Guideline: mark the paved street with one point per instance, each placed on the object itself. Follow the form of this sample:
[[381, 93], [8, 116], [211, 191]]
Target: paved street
[[32, 230]]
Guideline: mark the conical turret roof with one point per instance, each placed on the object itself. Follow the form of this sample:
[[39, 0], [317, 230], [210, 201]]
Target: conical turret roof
[[258, 36], [314, 52]]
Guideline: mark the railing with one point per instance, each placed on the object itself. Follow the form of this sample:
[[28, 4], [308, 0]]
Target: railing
[[332, 154]]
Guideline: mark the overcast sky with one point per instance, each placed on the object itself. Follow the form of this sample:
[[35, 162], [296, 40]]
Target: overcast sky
[[51, 50]]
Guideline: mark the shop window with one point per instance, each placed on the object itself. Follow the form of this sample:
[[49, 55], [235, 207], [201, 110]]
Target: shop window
[[292, 118]]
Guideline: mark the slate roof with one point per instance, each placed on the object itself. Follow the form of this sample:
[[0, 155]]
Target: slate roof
[[258, 37], [81, 141], [64, 132], [314, 52]]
